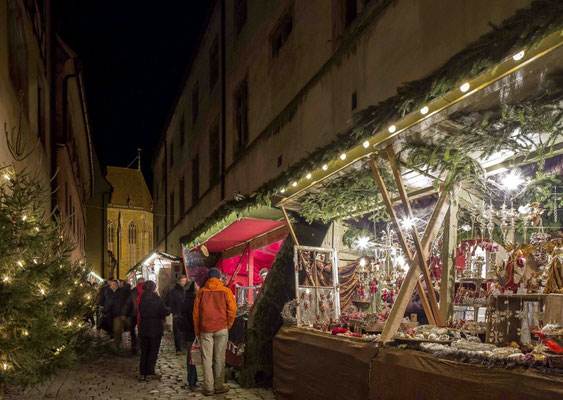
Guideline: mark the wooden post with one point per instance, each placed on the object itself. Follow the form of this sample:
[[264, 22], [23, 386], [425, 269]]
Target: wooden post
[[405, 293], [402, 240], [296, 242], [449, 246], [250, 273], [416, 239]]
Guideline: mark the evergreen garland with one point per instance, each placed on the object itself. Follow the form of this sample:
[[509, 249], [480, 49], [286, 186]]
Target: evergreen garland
[[44, 296], [524, 29], [348, 197], [453, 158]]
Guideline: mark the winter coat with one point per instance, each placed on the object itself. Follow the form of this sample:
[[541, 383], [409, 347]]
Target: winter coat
[[415, 305], [138, 299], [186, 310], [174, 299], [152, 311], [214, 308], [128, 308]]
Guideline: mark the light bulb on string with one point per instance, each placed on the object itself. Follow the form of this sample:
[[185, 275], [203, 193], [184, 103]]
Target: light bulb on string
[[518, 56], [343, 156], [408, 222], [6, 279], [464, 88], [392, 129], [294, 184], [325, 167], [366, 144], [424, 110], [7, 177], [24, 217], [20, 263], [42, 291], [308, 176], [282, 191], [512, 180]]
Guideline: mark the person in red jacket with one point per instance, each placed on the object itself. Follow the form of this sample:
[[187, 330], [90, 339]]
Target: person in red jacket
[[214, 313]]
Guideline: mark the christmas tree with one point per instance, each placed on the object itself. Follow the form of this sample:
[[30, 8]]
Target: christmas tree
[[44, 296]]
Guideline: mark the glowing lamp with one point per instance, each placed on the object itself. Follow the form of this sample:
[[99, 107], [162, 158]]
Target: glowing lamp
[[518, 56]]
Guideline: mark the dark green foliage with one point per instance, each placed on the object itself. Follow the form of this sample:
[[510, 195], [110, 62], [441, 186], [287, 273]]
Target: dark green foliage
[[525, 29], [484, 133], [348, 196], [39, 330], [266, 318]]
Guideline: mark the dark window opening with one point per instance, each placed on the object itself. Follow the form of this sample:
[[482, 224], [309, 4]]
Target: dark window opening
[[213, 64], [195, 180], [354, 101], [241, 11], [282, 32], [195, 102], [172, 210], [17, 53], [280, 160], [350, 12], [241, 115], [182, 197], [214, 154], [182, 132], [171, 155]]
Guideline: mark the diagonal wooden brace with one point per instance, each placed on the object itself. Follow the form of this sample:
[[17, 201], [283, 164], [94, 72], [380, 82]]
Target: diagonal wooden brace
[[418, 245], [389, 204], [407, 288]]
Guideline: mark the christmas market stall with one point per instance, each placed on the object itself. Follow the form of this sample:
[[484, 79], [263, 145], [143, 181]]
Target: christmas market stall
[[244, 251], [441, 266], [160, 267]]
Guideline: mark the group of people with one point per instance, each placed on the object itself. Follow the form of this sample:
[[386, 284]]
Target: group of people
[[204, 315]]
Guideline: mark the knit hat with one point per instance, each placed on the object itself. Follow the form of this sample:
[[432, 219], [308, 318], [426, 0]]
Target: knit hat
[[214, 273]]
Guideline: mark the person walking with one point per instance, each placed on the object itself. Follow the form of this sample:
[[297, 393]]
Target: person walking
[[109, 300], [133, 316], [121, 308], [188, 328], [174, 300], [213, 315], [152, 312]]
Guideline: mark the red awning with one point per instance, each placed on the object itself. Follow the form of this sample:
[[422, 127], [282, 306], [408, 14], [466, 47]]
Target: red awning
[[238, 232]]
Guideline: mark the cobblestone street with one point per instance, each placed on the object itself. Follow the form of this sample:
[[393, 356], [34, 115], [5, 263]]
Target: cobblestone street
[[112, 377]]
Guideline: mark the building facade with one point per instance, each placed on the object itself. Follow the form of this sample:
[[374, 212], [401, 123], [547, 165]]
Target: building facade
[[129, 221], [45, 128], [25, 76], [272, 81]]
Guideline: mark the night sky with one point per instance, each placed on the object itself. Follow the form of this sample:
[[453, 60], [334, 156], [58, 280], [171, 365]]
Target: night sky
[[134, 54]]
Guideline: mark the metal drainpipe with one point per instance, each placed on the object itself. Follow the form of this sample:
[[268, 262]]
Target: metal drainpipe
[[223, 100]]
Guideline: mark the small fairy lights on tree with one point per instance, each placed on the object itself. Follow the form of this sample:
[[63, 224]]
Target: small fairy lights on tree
[[41, 308]]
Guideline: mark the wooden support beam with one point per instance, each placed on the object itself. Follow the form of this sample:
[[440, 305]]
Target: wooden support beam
[[296, 242], [250, 273], [407, 288], [258, 242], [239, 265], [402, 240], [449, 248], [417, 243]]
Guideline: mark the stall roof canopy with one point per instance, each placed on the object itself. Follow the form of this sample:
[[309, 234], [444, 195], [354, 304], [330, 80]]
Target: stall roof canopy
[[239, 232], [154, 254]]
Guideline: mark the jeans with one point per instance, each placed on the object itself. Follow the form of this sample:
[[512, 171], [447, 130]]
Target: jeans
[[213, 348], [192, 371], [177, 333], [149, 353]]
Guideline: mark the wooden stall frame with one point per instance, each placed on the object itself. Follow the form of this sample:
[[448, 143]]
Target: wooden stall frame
[[430, 234]]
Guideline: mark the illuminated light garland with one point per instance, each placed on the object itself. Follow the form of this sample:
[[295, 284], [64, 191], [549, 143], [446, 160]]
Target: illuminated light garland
[[518, 56], [343, 156], [366, 144], [325, 167], [308, 176], [424, 110], [465, 87], [392, 129]]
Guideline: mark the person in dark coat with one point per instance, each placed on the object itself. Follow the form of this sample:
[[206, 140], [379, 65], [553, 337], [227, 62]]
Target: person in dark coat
[[186, 310], [133, 315], [152, 312], [120, 307], [108, 298], [174, 300], [415, 305]]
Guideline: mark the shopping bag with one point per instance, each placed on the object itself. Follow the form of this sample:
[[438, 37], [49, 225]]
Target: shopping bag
[[195, 353]]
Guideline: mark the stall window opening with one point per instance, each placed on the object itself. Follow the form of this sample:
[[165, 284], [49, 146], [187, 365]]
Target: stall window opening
[[282, 32]]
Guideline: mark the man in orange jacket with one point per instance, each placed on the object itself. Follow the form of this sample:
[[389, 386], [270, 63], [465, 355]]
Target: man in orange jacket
[[214, 313]]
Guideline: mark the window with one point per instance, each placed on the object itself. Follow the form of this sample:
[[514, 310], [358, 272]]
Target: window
[[171, 154], [214, 156], [195, 102], [350, 11], [132, 243], [182, 197], [354, 100], [213, 64], [195, 179], [241, 11], [182, 131], [281, 33], [110, 234], [172, 216], [41, 114], [17, 52], [241, 115]]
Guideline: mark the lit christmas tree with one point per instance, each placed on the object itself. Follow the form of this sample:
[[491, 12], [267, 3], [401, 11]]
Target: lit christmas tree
[[44, 296]]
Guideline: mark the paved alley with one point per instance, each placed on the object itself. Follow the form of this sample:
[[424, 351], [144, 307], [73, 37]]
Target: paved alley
[[112, 377]]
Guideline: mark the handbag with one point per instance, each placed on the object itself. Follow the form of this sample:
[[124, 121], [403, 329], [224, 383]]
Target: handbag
[[195, 353]]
